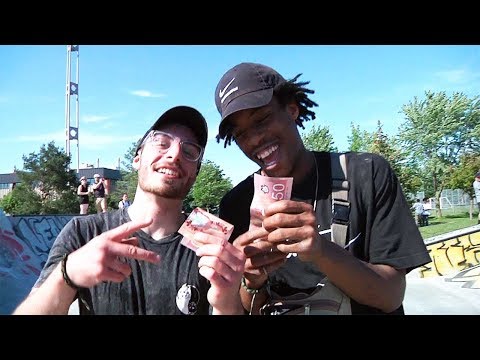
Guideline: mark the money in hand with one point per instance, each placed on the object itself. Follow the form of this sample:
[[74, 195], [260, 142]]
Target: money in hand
[[203, 221], [267, 190]]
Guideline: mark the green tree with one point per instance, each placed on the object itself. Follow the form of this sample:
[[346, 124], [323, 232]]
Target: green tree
[[47, 185], [128, 182], [209, 188], [437, 131], [378, 142], [189, 202], [22, 201], [319, 139], [462, 176], [407, 174], [360, 140]]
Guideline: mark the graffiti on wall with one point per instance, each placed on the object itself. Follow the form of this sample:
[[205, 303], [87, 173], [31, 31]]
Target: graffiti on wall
[[469, 277], [25, 242], [458, 255], [24, 245]]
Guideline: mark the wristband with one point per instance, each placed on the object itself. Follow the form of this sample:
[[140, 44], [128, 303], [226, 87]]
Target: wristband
[[68, 281], [250, 290]]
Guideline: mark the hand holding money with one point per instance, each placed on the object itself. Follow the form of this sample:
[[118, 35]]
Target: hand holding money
[[200, 220], [223, 267], [267, 190]]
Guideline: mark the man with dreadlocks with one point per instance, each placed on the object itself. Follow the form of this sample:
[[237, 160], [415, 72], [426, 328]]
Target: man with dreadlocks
[[261, 112]]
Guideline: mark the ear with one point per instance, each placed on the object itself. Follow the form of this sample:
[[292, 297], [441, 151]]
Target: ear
[[293, 111], [136, 161]]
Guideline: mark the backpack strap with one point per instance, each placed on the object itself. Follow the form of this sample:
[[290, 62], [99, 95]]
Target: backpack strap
[[340, 203]]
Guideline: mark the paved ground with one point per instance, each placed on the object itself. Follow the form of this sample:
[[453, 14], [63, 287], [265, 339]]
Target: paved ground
[[457, 294]]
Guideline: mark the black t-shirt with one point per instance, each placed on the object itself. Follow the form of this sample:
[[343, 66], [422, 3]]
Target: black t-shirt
[[99, 192], [379, 214], [172, 287], [83, 198]]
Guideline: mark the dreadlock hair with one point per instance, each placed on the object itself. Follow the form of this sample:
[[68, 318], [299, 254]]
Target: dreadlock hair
[[286, 92]]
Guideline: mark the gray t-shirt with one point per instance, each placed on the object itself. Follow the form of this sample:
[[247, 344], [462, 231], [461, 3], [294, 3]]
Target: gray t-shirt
[[172, 287]]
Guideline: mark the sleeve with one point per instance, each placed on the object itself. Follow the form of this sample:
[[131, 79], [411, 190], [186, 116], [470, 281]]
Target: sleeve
[[65, 243], [394, 237]]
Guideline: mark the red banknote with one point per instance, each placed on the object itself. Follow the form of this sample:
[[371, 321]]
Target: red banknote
[[200, 220], [267, 190]]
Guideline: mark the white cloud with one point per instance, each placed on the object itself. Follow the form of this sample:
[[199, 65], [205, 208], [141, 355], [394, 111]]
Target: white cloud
[[57, 136], [146, 93], [457, 76], [88, 140], [95, 141], [95, 118], [109, 125]]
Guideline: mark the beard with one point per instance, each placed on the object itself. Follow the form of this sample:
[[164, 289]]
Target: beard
[[168, 188]]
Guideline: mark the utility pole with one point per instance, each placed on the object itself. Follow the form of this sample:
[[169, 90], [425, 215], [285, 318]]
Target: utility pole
[[71, 132]]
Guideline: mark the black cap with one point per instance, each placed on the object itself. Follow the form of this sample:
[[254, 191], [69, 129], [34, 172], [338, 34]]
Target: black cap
[[245, 86], [184, 115], [477, 174]]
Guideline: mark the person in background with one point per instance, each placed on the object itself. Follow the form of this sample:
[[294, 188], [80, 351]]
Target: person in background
[[261, 112], [131, 261], [418, 210], [124, 203], [427, 208], [83, 195], [476, 189], [98, 188]]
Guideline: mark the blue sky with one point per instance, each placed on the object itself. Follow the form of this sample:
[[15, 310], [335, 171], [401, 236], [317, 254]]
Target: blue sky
[[124, 89]]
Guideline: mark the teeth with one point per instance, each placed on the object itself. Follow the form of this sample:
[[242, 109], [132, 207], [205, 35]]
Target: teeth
[[267, 152], [167, 172]]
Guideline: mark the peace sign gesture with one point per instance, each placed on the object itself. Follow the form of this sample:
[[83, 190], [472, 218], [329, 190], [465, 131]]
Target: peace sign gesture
[[100, 259]]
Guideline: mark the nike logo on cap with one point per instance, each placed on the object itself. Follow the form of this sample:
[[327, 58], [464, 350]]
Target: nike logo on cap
[[222, 94]]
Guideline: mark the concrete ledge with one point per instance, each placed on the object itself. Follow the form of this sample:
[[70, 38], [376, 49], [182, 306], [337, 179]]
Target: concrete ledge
[[453, 234]]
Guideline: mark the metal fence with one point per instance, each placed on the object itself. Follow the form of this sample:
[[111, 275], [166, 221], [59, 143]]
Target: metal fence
[[454, 200]]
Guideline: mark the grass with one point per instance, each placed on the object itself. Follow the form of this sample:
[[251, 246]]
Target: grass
[[448, 222]]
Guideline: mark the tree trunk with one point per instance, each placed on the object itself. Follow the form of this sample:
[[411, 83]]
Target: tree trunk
[[438, 193], [437, 204], [471, 208]]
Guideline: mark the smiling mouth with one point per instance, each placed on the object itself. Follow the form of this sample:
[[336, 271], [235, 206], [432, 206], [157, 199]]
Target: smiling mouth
[[168, 172], [264, 154]]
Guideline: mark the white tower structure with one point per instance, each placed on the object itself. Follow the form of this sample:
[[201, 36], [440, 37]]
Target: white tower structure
[[71, 132]]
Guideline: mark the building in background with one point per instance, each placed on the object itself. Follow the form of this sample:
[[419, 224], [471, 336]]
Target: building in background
[[9, 181]]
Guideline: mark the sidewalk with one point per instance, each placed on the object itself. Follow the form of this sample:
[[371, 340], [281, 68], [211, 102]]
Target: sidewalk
[[457, 294]]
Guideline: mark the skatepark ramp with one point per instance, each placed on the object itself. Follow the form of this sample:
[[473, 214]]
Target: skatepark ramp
[[452, 252], [24, 245], [448, 285]]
